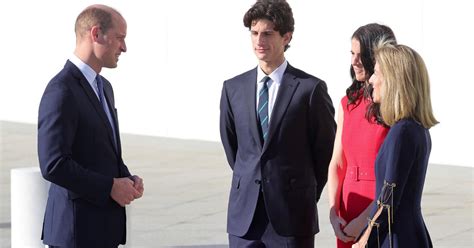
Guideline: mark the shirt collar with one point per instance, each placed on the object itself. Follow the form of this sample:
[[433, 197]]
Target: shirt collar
[[276, 75], [86, 70]]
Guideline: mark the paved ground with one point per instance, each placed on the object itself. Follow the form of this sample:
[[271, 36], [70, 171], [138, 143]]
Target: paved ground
[[187, 183]]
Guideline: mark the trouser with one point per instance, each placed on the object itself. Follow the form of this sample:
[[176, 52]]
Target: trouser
[[261, 234]]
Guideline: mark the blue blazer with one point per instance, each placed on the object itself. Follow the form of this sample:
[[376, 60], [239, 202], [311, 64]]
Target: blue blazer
[[291, 165], [77, 155], [402, 162]]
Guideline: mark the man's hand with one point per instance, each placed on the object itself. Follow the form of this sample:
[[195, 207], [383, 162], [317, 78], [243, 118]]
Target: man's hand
[[138, 185], [123, 191]]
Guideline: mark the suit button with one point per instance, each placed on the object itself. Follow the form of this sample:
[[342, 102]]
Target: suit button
[[266, 180], [257, 181]]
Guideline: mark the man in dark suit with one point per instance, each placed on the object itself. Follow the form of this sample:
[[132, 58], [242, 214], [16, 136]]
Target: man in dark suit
[[277, 128], [79, 144]]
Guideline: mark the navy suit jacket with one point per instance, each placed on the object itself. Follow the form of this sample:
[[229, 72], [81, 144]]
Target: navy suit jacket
[[77, 155], [291, 166]]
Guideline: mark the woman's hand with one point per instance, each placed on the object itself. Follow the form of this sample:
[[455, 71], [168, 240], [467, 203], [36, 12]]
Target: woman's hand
[[337, 224], [355, 227]]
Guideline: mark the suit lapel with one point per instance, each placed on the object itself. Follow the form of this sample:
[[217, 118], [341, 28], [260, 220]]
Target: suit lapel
[[285, 93], [92, 98], [113, 112], [251, 95]]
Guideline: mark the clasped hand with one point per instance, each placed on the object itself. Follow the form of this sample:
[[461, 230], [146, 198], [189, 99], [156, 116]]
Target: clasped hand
[[127, 189], [338, 225]]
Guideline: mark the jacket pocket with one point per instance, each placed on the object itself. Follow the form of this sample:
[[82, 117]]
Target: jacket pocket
[[235, 182]]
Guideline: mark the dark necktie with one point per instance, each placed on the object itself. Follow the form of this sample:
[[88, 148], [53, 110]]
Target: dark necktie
[[103, 103], [100, 87], [262, 109]]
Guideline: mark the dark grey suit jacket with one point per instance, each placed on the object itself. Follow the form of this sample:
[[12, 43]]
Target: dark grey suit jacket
[[291, 165], [77, 155]]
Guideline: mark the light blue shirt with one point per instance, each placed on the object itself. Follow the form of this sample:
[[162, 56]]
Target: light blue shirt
[[273, 85], [87, 71]]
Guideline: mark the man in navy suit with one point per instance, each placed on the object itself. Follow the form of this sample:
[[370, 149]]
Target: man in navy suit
[[277, 128], [79, 144]]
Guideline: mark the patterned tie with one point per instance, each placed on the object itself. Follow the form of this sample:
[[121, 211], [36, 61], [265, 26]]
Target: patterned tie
[[262, 109], [103, 102]]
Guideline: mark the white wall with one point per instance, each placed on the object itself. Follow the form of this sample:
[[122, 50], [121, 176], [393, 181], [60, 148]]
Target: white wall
[[180, 52]]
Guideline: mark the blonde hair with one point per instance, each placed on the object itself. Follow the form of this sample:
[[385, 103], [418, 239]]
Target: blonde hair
[[406, 86]]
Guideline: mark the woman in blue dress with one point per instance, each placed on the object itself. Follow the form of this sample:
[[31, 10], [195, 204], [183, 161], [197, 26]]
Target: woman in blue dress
[[401, 86]]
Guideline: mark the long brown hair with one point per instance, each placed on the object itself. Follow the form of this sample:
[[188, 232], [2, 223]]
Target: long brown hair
[[368, 37]]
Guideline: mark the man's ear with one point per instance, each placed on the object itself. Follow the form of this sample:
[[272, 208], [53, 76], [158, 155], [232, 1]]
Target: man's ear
[[95, 33], [288, 36]]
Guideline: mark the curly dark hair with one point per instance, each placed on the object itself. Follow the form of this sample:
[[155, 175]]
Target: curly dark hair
[[368, 36], [278, 12]]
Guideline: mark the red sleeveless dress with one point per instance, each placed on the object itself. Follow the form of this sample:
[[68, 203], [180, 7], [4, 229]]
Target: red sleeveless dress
[[361, 141]]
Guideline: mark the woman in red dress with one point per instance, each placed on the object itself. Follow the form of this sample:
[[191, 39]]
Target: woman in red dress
[[351, 176]]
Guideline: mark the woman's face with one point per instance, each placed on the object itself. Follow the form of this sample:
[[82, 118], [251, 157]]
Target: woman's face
[[356, 61], [376, 80]]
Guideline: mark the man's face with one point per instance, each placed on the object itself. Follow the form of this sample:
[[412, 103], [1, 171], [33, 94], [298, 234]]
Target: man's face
[[268, 44], [113, 43]]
